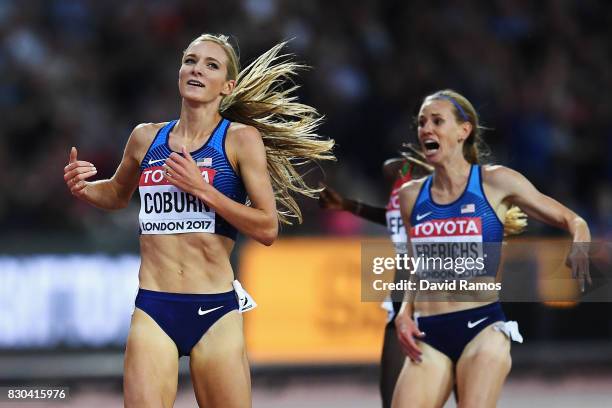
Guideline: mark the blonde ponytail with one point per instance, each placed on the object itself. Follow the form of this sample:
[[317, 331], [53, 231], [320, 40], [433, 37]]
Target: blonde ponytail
[[515, 221], [288, 128]]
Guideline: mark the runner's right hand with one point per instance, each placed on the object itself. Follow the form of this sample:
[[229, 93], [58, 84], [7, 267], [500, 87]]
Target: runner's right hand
[[76, 172], [407, 330]]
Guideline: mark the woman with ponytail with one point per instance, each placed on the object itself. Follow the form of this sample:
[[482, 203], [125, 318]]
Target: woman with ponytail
[[458, 338], [228, 164]]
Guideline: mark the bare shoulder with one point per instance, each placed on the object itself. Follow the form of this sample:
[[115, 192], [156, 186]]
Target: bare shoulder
[[240, 135], [498, 175], [243, 145], [149, 127], [141, 138], [145, 132], [243, 141], [408, 195]]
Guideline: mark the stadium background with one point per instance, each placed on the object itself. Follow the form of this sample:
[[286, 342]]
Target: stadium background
[[85, 73]]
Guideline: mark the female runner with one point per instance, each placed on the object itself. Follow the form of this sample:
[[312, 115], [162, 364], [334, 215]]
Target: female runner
[[238, 135], [461, 339]]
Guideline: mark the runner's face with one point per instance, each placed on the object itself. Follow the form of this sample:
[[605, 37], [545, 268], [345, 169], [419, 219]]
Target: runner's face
[[203, 73], [440, 135]]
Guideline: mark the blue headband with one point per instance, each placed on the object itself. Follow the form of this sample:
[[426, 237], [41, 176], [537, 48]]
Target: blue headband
[[457, 106]]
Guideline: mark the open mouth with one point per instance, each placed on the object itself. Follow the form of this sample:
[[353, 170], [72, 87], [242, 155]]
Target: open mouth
[[431, 145], [195, 83]]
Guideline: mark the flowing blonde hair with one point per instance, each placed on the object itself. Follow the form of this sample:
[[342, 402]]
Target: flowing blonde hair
[[262, 99]]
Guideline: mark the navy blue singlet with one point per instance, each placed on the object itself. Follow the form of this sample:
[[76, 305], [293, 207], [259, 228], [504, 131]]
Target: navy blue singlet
[[468, 227], [167, 210]]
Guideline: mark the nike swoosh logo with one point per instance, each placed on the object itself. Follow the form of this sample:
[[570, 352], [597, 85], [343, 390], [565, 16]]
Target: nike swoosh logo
[[476, 323], [203, 312], [419, 217], [155, 161]]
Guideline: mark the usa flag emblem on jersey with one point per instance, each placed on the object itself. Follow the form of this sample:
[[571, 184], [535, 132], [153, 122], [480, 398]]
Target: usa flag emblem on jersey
[[468, 208]]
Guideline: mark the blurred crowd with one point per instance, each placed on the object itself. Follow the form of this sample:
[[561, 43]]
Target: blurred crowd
[[85, 72]]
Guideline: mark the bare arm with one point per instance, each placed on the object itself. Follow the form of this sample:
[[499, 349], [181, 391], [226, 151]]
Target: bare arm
[[517, 190], [113, 193], [260, 220], [332, 200]]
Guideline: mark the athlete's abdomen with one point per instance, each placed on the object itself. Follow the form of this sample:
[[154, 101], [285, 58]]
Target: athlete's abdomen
[[186, 263]]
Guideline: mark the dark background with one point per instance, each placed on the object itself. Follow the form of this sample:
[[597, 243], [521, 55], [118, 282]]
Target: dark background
[[85, 73]]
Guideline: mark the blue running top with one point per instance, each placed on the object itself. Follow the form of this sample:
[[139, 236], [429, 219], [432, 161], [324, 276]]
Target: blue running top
[[466, 228], [165, 209]]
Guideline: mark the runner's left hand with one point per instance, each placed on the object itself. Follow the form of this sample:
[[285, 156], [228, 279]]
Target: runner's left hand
[[578, 261]]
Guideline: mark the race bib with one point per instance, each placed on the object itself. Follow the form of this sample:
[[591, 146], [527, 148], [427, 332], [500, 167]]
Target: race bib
[[449, 248], [397, 232], [395, 224], [165, 209]]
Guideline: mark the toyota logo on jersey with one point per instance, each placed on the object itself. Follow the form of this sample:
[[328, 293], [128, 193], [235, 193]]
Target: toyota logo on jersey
[[155, 176], [460, 228]]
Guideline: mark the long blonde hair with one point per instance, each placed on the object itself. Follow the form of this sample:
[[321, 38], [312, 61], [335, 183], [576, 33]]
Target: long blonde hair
[[262, 99]]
